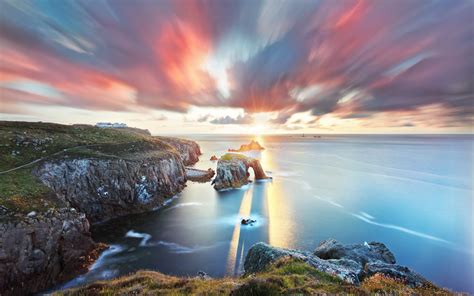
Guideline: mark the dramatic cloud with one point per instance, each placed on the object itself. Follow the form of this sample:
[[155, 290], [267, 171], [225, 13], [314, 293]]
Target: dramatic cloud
[[242, 119], [350, 59]]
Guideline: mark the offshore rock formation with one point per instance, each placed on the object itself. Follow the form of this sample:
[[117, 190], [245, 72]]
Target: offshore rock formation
[[350, 263], [232, 171], [108, 188], [38, 250], [197, 175], [253, 145]]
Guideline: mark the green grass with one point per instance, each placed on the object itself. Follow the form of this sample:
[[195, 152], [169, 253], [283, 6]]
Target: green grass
[[24, 142], [285, 277], [232, 156]]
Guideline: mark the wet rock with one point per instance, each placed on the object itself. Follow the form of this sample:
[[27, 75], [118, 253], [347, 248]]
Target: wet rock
[[247, 221], [232, 171]]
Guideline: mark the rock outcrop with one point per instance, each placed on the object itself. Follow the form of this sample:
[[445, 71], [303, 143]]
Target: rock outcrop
[[350, 263], [232, 171], [108, 188], [189, 151], [253, 145], [38, 250], [92, 175], [197, 175]]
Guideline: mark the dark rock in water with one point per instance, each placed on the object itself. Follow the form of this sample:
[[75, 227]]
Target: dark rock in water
[[214, 158], [41, 250], [232, 171], [253, 145], [361, 253], [247, 221], [351, 263]]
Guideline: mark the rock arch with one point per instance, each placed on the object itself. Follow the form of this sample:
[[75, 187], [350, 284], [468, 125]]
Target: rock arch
[[232, 171]]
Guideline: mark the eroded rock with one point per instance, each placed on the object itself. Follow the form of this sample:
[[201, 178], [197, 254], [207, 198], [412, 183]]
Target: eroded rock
[[232, 171], [36, 252], [108, 188], [351, 263]]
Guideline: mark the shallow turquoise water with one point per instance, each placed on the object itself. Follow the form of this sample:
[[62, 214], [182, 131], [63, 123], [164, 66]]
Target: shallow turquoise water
[[414, 193]]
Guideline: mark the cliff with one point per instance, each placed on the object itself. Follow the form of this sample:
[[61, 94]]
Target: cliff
[[41, 249], [92, 174], [232, 171], [275, 271]]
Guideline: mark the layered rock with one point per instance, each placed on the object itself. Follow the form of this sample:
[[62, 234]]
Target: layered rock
[[38, 250], [232, 171], [108, 188], [198, 175], [351, 263]]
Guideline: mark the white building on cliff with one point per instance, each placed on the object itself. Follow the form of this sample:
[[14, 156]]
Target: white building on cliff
[[110, 125]]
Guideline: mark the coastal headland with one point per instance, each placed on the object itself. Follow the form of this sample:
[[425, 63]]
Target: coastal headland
[[56, 180]]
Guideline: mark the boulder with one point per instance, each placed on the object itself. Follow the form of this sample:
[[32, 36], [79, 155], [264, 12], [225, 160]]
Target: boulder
[[361, 253], [351, 263]]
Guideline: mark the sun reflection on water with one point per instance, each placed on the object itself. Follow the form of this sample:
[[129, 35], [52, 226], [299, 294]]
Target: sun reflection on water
[[280, 221]]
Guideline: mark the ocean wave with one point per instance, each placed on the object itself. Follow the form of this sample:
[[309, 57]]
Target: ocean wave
[[328, 201], [184, 204], [144, 236], [400, 228], [180, 249]]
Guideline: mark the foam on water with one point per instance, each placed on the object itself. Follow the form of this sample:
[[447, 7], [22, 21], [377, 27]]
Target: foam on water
[[144, 236]]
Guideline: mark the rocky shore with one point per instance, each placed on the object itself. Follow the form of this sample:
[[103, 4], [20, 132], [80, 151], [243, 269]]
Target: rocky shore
[[58, 179], [332, 269], [350, 263], [42, 249]]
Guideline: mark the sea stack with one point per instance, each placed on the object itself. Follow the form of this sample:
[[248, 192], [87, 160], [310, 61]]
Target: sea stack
[[252, 146], [232, 171]]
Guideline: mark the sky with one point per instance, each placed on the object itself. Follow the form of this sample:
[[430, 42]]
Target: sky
[[244, 66]]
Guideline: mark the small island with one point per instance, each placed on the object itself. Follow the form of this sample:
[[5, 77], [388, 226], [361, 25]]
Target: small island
[[232, 171], [252, 146]]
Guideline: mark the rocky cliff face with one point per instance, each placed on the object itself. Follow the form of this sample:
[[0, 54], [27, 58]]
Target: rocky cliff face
[[38, 250], [108, 188], [189, 151], [232, 171], [350, 263]]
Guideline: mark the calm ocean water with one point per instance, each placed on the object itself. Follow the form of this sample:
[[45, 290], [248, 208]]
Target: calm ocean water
[[413, 193]]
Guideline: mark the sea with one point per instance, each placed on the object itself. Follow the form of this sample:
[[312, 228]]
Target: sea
[[414, 193]]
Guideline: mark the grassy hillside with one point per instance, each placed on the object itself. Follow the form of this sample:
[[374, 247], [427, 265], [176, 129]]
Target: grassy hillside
[[22, 143], [285, 277]]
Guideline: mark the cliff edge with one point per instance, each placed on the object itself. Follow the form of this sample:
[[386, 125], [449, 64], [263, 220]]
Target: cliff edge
[[56, 179]]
